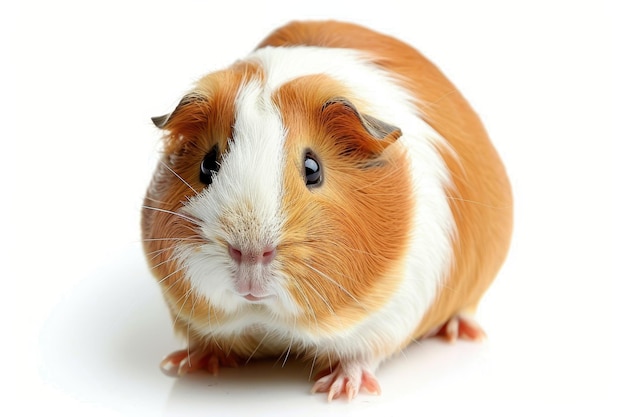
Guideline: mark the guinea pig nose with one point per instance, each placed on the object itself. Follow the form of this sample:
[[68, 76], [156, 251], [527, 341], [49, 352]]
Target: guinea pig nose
[[264, 256]]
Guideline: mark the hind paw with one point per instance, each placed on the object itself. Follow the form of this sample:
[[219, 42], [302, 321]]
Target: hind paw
[[461, 326]]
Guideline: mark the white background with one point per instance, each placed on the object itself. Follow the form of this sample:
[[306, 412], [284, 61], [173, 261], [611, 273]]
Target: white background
[[83, 324]]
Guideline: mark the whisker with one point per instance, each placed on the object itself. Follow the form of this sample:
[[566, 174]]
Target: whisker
[[464, 200], [155, 253], [321, 297], [193, 306], [310, 310], [179, 177], [182, 216], [441, 97], [166, 261], [172, 273], [287, 352], [169, 287], [154, 200], [257, 347], [313, 363], [194, 230], [186, 296], [330, 361], [341, 287], [162, 249], [350, 248], [217, 343], [165, 239]]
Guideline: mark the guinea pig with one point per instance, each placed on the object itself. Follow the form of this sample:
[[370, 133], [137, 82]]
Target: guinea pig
[[330, 197]]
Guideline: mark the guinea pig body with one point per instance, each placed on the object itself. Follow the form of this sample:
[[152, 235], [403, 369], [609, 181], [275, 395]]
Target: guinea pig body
[[332, 197]]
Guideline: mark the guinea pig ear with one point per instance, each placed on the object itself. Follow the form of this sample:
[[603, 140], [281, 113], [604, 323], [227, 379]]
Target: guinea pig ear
[[161, 121], [188, 104], [375, 127], [345, 116]]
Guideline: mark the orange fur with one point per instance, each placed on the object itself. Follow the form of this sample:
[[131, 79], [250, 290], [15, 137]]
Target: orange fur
[[352, 230]]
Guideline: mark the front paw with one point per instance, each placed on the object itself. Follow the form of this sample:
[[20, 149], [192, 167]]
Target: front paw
[[347, 378], [189, 360]]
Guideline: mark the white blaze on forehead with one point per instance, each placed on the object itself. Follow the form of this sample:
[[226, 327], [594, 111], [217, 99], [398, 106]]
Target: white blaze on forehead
[[242, 206], [252, 169]]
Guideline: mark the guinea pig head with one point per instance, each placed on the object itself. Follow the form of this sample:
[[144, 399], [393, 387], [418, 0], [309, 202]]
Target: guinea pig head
[[290, 200]]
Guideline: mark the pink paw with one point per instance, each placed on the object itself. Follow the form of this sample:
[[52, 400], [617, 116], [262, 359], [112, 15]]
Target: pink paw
[[461, 327], [185, 361], [346, 379]]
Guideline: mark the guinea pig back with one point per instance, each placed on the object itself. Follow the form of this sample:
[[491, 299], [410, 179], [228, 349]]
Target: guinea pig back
[[332, 197]]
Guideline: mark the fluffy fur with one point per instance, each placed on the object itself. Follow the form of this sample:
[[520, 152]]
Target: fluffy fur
[[405, 233]]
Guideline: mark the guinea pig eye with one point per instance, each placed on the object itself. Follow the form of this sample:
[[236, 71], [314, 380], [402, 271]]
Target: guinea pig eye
[[209, 166], [312, 170]]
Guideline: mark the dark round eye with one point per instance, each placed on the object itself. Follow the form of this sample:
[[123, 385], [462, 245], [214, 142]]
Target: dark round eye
[[312, 170], [209, 166]]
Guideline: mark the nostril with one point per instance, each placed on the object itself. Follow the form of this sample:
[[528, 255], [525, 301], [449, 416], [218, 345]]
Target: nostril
[[235, 254], [263, 257], [268, 255]]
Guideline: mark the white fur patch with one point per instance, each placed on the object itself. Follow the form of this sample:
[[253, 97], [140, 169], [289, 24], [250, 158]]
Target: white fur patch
[[251, 175], [242, 205]]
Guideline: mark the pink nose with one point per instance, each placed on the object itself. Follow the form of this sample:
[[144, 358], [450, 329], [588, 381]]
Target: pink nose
[[264, 256]]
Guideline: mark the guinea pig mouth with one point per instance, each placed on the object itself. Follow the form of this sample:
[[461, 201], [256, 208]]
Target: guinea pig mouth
[[251, 291], [254, 298], [251, 282]]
